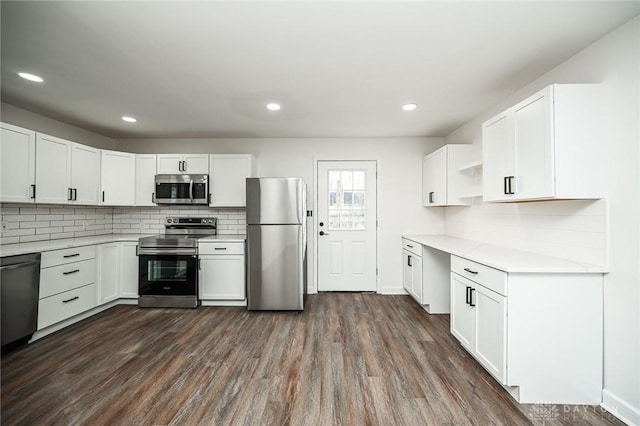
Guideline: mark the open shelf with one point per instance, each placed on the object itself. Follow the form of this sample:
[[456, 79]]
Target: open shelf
[[471, 166]]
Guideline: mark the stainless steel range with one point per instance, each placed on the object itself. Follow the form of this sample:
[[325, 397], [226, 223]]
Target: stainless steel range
[[168, 263]]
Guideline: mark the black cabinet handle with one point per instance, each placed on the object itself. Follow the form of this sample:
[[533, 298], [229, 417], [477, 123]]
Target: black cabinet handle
[[409, 245], [409, 261], [184, 166], [470, 271], [220, 248], [103, 196], [510, 180], [75, 194], [69, 194], [471, 297], [71, 272], [66, 256], [33, 192], [506, 178], [70, 300], [467, 295], [153, 197], [431, 197]]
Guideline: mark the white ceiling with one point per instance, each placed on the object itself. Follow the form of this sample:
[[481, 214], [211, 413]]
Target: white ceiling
[[339, 69]]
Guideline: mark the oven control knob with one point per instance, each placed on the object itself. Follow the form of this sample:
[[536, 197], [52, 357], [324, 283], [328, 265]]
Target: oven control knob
[[168, 220], [210, 221]]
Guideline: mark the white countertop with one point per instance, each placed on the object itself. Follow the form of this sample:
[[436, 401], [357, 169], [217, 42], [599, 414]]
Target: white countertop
[[40, 246], [47, 245], [504, 258]]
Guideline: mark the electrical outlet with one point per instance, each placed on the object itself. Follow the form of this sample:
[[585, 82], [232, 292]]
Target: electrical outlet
[[5, 225]]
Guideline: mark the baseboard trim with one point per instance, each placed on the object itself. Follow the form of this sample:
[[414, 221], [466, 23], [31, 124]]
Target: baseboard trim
[[620, 408], [393, 291]]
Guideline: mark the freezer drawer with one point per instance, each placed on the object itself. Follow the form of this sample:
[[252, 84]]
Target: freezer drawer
[[275, 201], [276, 267]]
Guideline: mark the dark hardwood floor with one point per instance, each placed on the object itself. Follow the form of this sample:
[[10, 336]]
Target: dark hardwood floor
[[352, 359]]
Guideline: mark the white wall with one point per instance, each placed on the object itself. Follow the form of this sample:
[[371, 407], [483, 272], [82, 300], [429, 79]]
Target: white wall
[[614, 62], [20, 117], [399, 163]]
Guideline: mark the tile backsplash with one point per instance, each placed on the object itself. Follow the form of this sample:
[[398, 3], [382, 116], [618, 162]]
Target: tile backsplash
[[39, 222]]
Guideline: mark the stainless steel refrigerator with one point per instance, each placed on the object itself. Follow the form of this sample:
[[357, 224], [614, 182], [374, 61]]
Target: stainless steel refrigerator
[[276, 244]]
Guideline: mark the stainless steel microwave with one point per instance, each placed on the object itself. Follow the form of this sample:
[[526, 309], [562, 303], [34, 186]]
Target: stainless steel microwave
[[182, 189]]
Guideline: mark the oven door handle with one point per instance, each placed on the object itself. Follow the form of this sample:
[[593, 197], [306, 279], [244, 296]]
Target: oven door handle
[[191, 190], [151, 251]]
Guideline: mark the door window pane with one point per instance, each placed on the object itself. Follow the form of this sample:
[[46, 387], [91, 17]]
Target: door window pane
[[347, 208]]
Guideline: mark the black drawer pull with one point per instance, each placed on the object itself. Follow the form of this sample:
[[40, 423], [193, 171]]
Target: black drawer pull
[[409, 245], [220, 248], [71, 255], [71, 272], [470, 271], [71, 300]]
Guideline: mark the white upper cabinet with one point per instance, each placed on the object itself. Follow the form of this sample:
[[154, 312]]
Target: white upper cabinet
[[118, 175], [145, 179], [17, 164], [66, 172], [442, 182], [53, 170], [228, 173], [544, 147], [183, 163], [85, 175]]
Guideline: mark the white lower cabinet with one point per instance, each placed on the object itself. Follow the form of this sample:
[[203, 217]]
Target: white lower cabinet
[[129, 269], [425, 276], [478, 321], [67, 284], [538, 334], [222, 271]]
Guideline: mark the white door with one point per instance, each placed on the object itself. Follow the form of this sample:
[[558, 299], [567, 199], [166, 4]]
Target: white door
[[498, 158], [53, 170], [118, 175], [346, 225], [145, 179], [533, 119], [85, 174], [17, 164]]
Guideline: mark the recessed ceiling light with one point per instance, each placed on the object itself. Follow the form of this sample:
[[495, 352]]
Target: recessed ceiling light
[[31, 77], [273, 107], [129, 119], [409, 107]]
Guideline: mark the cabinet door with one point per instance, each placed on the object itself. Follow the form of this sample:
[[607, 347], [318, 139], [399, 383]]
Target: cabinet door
[[108, 272], [85, 174], [534, 169], [222, 277], [407, 273], [195, 164], [169, 163], [228, 179], [462, 314], [498, 158], [129, 272], [145, 179], [53, 170], [434, 178], [17, 164], [427, 182], [490, 344], [118, 177], [416, 280]]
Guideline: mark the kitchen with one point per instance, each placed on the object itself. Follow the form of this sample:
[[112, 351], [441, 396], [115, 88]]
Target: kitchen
[[600, 232]]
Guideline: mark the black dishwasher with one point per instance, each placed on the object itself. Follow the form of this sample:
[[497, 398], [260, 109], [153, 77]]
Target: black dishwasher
[[19, 290]]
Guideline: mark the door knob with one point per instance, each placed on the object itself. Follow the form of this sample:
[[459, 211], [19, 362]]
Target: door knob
[[324, 233]]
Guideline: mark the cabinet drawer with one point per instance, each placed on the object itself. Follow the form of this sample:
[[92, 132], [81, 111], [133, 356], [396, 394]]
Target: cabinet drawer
[[412, 246], [60, 257], [221, 248], [58, 279], [65, 305], [491, 278]]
